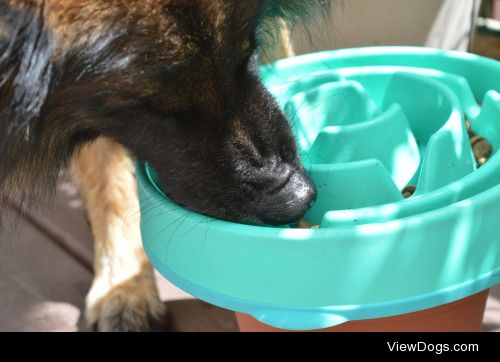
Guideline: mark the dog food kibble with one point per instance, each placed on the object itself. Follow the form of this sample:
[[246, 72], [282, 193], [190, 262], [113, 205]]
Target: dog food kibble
[[481, 148], [468, 126], [481, 161], [408, 191], [474, 140], [304, 224]]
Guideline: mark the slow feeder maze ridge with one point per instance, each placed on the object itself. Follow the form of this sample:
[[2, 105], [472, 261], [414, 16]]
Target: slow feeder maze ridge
[[369, 122]]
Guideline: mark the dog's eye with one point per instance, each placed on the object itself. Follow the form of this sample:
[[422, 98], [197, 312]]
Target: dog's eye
[[246, 47], [247, 59], [249, 64]]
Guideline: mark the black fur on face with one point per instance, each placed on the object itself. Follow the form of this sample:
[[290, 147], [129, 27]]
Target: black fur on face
[[174, 81]]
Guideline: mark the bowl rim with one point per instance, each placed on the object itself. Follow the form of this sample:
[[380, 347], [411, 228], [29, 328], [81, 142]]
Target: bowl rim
[[380, 228], [456, 191]]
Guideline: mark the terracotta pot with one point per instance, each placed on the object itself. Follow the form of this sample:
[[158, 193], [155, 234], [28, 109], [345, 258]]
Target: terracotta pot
[[495, 9], [463, 315]]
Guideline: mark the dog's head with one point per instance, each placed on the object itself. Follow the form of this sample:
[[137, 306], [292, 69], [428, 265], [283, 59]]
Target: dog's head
[[175, 81]]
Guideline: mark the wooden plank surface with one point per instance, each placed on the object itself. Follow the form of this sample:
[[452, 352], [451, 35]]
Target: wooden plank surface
[[46, 270]]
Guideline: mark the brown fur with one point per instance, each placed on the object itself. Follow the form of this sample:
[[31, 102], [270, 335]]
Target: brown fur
[[123, 295], [172, 81]]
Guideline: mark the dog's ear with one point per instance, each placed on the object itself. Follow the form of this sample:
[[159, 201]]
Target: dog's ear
[[277, 20], [293, 10]]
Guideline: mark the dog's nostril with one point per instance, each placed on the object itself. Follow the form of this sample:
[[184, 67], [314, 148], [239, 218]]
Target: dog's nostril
[[289, 202], [311, 203], [278, 185]]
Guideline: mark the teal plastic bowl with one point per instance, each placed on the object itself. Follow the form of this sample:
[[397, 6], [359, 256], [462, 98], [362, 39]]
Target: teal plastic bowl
[[368, 122]]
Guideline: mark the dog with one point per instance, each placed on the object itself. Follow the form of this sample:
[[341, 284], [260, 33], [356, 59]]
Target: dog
[[96, 86]]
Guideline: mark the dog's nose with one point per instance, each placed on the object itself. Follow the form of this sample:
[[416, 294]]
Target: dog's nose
[[288, 199]]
